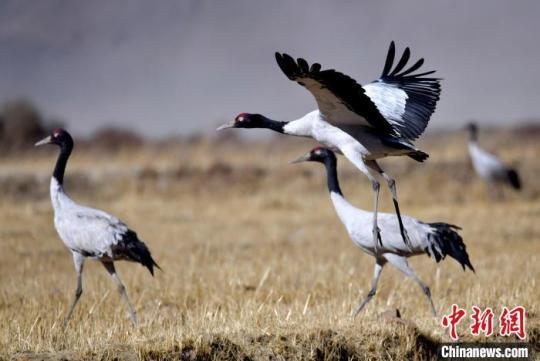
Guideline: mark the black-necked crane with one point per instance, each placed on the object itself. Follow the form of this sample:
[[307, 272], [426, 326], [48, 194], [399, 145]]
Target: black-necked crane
[[91, 233], [488, 167], [438, 240], [364, 123]]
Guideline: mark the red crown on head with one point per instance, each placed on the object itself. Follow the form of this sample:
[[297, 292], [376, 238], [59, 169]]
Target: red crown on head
[[57, 131]]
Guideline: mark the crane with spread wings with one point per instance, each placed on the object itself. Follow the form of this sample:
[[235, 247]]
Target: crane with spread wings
[[364, 123]]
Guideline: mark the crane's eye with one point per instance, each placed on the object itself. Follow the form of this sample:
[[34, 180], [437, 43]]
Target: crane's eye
[[240, 119]]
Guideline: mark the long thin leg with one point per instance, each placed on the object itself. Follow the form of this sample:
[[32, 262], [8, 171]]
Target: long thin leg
[[392, 186], [78, 260], [121, 288], [374, 282], [376, 231], [401, 263]]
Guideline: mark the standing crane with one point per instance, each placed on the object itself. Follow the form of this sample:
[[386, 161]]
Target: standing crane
[[364, 123], [488, 167], [438, 240], [91, 233]]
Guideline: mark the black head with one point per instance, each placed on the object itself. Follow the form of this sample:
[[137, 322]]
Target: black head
[[328, 158], [472, 127], [59, 137], [246, 120], [319, 154]]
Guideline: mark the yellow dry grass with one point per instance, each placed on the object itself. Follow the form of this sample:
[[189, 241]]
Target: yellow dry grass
[[256, 264]]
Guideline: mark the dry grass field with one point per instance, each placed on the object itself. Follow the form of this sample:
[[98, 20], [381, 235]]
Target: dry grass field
[[256, 265]]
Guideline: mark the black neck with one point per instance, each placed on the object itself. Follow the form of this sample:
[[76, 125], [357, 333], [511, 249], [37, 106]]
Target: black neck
[[331, 175], [65, 152], [473, 135], [274, 125]]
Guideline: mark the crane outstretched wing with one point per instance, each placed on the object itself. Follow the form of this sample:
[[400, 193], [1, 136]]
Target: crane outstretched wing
[[406, 100], [341, 100]]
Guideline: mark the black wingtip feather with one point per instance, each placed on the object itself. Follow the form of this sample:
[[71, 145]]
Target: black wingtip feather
[[315, 68], [416, 65], [347, 90], [302, 63], [287, 65], [395, 73], [422, 92], [402, 62], [389, 59]]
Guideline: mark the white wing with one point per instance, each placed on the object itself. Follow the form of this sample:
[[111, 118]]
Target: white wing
[[406, 100]]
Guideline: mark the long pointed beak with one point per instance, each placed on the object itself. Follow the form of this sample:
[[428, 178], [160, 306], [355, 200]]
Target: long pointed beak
[[303, 158], [46, 140], [226, 125]]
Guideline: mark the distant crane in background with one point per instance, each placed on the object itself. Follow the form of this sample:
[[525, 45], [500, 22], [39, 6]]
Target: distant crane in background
[[91, 233], [366, 123], [490, 168], [438, 240]]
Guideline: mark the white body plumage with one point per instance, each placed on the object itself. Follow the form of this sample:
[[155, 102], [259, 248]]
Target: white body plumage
[[487, 165], [87, 231], [357, 222], [362, 147]]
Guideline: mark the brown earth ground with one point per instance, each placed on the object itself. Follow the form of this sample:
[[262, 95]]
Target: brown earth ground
[[256, 264]]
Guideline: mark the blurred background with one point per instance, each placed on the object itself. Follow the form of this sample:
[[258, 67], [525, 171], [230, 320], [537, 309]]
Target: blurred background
[[181, 67]]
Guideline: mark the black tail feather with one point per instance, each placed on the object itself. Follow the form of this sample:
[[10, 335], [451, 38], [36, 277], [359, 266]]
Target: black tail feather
[[445, 241], [513, 177], [132, 249], [148, 261], [395, 143], [145, 257], [418, 156]]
